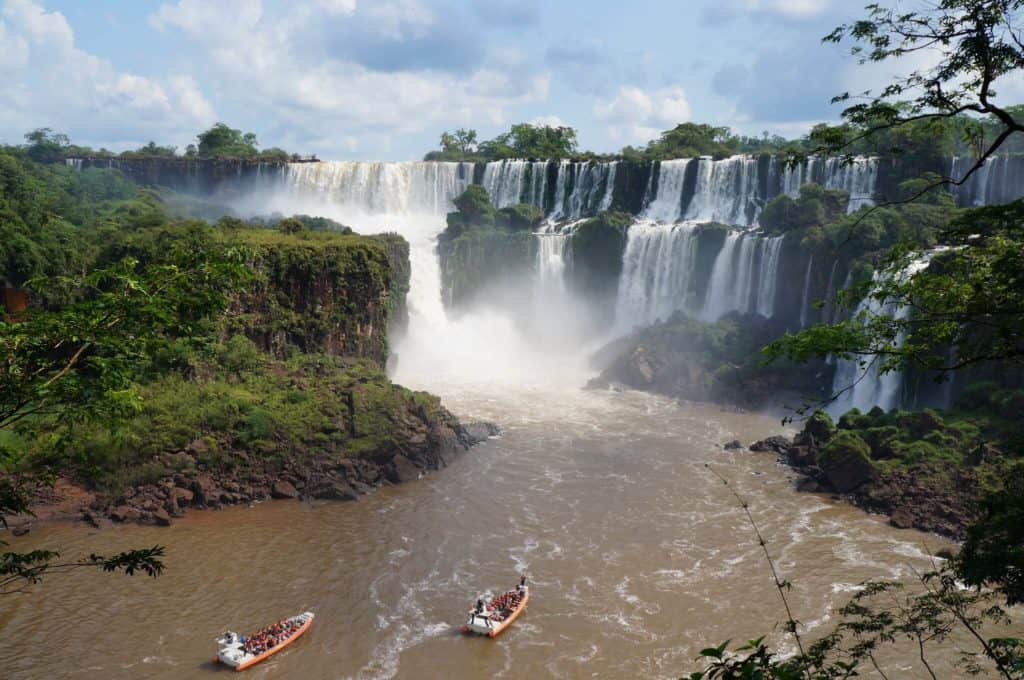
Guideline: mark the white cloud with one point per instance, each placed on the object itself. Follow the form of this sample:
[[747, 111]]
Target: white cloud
[[272, 61], [548, 121], [635, 116], [49, 81]]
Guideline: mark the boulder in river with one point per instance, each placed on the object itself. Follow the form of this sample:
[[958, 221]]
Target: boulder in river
[[283, 489], [846, 462], [733, 445], [776, 444]]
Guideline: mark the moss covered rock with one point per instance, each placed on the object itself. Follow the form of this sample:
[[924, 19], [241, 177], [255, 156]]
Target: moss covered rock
[[846, 462]]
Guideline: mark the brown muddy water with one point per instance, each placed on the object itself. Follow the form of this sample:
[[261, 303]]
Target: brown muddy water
[[637, 555]]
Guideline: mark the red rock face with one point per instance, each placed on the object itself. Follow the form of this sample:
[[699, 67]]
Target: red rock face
[[14, 301]]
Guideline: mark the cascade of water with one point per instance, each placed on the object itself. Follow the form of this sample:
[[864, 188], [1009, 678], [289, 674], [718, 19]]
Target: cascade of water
[[730, 288], [551, 263], [667, 201], [582, 188], [609, 187], [768, 275], [829, 308], [719, 292], [657, 272], [999, 180], [858, 178], [380, 188], [726, 191], [865, 387], [805, 298]]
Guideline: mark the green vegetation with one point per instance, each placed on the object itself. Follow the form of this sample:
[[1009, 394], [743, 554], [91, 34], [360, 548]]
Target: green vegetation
[[220, 142], [523, 140], [148, 332], [483, 247], [597, 245]]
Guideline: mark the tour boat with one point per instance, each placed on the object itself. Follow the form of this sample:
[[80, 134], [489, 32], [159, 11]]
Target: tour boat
[[495, 618], [234, 652]]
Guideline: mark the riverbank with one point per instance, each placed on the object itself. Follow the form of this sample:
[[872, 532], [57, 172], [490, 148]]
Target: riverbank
[[927, 470], [430, 446]]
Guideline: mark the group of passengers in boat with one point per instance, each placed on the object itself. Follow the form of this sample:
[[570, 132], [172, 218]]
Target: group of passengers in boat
[[501, 606], [269, 637]]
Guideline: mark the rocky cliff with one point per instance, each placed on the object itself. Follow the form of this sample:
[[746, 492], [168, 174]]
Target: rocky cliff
[[319, 292]]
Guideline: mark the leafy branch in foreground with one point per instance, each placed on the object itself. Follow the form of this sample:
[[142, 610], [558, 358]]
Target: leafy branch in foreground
[[969, 295], [18, 570], [972, 45]]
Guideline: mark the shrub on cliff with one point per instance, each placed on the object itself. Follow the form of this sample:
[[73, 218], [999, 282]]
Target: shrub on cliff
[[520, 217], [474, 205]]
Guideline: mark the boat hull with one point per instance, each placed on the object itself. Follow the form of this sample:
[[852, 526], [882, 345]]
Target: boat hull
[[497, 627], [250, 661]]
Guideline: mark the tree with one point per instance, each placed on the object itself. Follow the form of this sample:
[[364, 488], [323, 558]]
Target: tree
[[969, 296], [462, 141], [687, 140], [45, 145], [973, 44], [224, 141], [75, 366]]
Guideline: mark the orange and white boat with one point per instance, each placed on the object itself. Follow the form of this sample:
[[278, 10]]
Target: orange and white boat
[[498, 614], [241, 651]]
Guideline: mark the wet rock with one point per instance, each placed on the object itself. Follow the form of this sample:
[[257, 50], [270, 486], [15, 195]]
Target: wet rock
[[481, 431], [808, 485], [338, 491], [776, 444], [402, 470], [91, 518], [802, 456], [124, 513], [181, 497], [733, 445], [283, 489], [161, 518], [901, 519], [21, 530]]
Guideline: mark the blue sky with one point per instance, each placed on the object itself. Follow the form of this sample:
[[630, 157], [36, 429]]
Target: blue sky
[[380, 79]]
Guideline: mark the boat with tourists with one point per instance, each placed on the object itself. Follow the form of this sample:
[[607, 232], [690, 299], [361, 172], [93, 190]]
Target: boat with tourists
[[493, 617], [242, 651]]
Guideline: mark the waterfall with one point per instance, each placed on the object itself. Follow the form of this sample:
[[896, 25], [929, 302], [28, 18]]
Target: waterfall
[[865, 386], [805, 298], [657, 269], [858, 178], [591, 185], [829, 309], [726, 191], [734, 190], [666, 204], [999, 180], [380, 188], [609, 187], [551, 264], [744, 277], [768, 275], [581, 187]]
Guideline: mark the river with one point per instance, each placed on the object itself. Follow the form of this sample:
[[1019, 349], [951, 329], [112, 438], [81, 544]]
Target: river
[[638, 558]]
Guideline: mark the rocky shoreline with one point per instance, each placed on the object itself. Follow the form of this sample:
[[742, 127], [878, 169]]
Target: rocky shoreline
[[911, 498], [433, 447]]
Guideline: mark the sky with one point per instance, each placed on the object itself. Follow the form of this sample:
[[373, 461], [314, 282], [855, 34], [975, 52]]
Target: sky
[[381, 79]]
